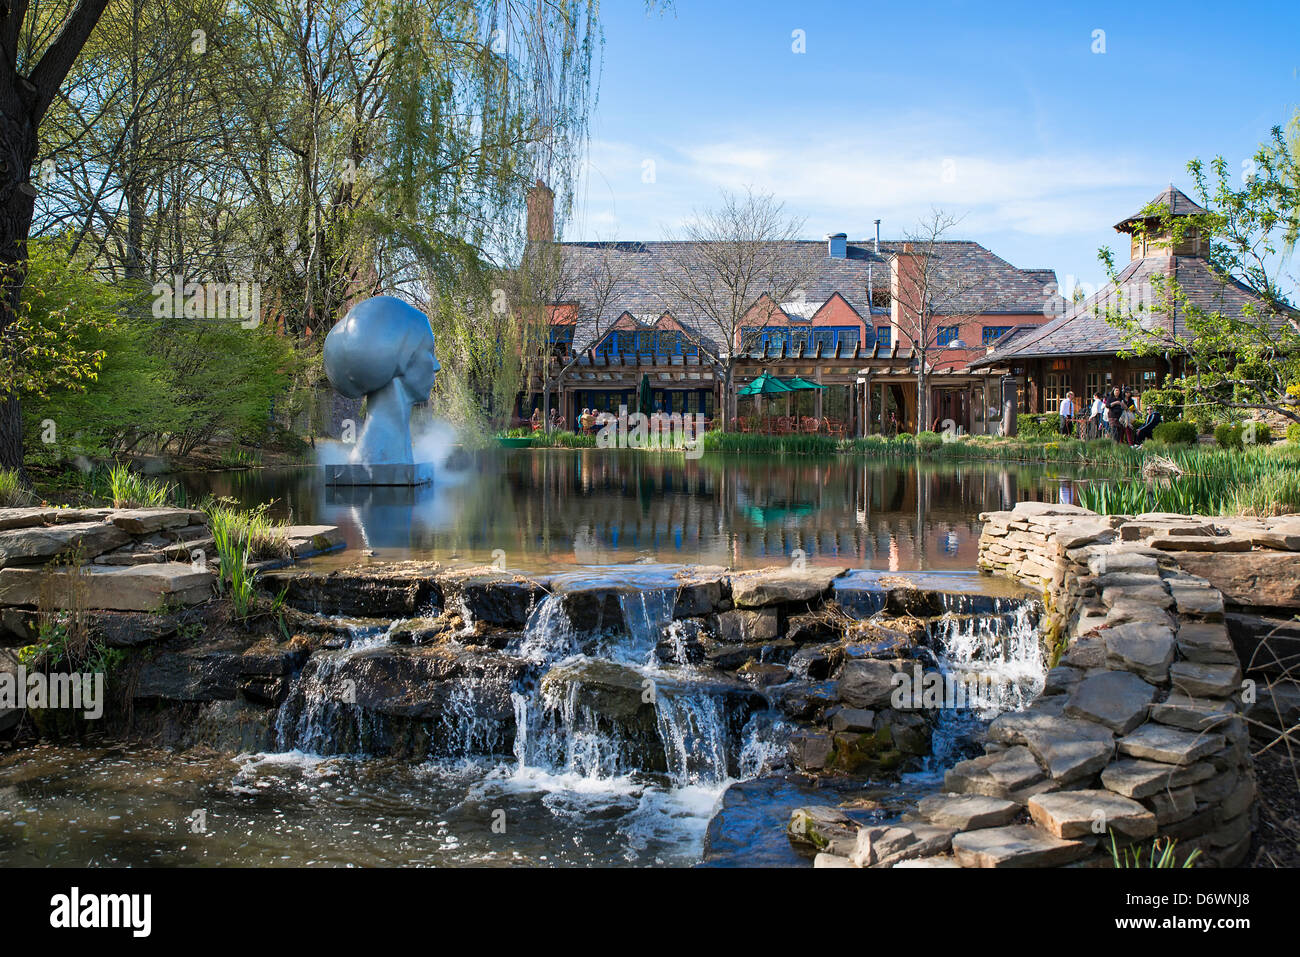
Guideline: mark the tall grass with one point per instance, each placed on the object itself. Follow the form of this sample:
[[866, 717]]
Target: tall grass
[[261, 536], [235, 578], [12, 492], [129, 489]]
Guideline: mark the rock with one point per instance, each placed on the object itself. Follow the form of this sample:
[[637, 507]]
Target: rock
[[113, 588], [1206, 642], [813, 661], [809, 629], [781, 586], [131, 629], [1070, 749], [967, 811], [928, 862], [1172, 805], [853, 719], [831, 860], [683, 642], [695, 599], [1033, 510], [1197, 601], [1136, 778], [909, 732], [763, 675], [868, 683], [818, 825], [1015, 846], [1201, 543], [998, 774], [804, 700], [1071, 814], [1192, 714], [1158, 742], [38, 545], [26, 517], [1062, 680], [1117, 700], [1258, 579], [729, 657], [885, 846], [146, 521], [389, 591], [811, 751], [500, 601], [305, 541], [1196, 680], [748, 626], [1143, 648]]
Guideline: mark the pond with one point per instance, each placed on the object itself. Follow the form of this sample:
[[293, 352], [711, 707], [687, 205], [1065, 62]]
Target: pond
[[548, 508]]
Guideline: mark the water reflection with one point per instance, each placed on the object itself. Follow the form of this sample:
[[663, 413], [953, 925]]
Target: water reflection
[[544, 508]]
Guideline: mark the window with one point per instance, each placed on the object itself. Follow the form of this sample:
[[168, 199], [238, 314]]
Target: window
[[625, 343], [1097, 381], [993, 333], [947, 336], [665, 343], [884, 334], [848, 339], [643, 342], [1055, 385], [824, 338]]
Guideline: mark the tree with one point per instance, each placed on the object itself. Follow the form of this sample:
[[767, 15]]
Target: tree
[[1239, 340], [726, 274], [933, 293], [37, 49]]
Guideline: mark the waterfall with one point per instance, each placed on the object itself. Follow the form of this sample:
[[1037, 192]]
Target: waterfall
[[646, 612], [549, 635]]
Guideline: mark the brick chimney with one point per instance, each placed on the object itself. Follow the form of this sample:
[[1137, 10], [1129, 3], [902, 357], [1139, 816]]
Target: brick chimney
[[541, 213]]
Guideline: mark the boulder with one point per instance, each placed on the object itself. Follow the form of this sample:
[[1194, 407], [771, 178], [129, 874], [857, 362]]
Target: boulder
[[996, 774], [1070, 749], [759, 589], [1257, 579], [869, 682]]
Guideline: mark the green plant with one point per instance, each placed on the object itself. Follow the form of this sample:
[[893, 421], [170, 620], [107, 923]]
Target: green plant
[[263, 536], [1038, 426], [241, 458], [129, 489], [235, 578], [1228, 436], [1257, 433], [12, 492], [1176, 433], [1293, 432], [1162, 854], [928, 441]]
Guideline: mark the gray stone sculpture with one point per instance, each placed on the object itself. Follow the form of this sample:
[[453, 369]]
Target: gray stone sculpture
[[382, 350]]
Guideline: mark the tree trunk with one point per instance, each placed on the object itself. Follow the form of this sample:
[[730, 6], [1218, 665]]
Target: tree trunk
[[17, 152]]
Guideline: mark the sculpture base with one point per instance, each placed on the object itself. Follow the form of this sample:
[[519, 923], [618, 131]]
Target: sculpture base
[[421, 473]]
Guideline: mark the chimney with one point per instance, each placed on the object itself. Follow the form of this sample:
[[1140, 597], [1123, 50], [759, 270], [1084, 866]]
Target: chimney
[[541, 213], [877, 237], [837, 245]]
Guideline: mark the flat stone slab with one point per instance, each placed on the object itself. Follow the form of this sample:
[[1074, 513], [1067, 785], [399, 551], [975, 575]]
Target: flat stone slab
[[1266, 579], [1158, 742], [1199, 680], [26, 517], [885, 846], [305, 540], [1069, 748], [1144, 648], [1070, 814], [1200, 601], [107, 587], [1201, 543], [997, 774], [928, 862], [1117, 700], [1192, 714], [776, 586], [146, 521], [967, 812], [1136, 778], [1016, 846], [1206, 641], [38, 545]]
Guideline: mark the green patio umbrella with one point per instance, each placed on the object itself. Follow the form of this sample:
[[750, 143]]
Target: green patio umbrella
[[765, 384], [643, 399], [798, 382]]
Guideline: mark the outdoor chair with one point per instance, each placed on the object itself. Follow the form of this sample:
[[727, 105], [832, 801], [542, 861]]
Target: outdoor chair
[[810, 424]]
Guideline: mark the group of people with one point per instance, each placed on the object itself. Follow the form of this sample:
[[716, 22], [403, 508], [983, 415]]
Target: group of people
[[1113, 413], [589, 421], [535, 420]]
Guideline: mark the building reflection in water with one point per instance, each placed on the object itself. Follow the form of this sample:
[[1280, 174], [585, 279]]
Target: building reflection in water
[[602, 506]]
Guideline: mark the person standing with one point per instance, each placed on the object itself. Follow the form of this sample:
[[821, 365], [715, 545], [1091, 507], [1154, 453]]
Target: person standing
[[1097, 415], [1114, 411], [1066, 412]]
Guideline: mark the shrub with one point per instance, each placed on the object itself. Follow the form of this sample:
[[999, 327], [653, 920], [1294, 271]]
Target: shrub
[[927, 441], [1039, 426], [1176, 433], [1228, 436], [1256, 433], [12, 492], [1293, 431]]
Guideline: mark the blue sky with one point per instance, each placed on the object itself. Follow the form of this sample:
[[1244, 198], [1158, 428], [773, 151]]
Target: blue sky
[[998, 113]]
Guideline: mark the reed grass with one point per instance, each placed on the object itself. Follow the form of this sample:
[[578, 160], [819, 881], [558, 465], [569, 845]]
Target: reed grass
[[128, 489]]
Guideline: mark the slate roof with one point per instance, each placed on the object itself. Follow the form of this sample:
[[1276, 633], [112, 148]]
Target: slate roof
[[1081, 331], [1171, 198], [997, 287]]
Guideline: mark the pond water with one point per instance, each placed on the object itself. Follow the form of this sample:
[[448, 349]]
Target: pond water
[[548, 508], [567, 792]]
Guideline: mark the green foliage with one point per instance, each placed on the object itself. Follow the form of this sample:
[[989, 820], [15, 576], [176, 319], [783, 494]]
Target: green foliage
[[1276, 493], [1161, 855], [928, 441], [1228, 436], [57, 648], [130, 489], [12, 492], [1293, 432], [1175, 433], [262, 536], [1038, 426]]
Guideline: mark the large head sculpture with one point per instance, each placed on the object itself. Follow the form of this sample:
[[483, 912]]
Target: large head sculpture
[[382, 350]]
